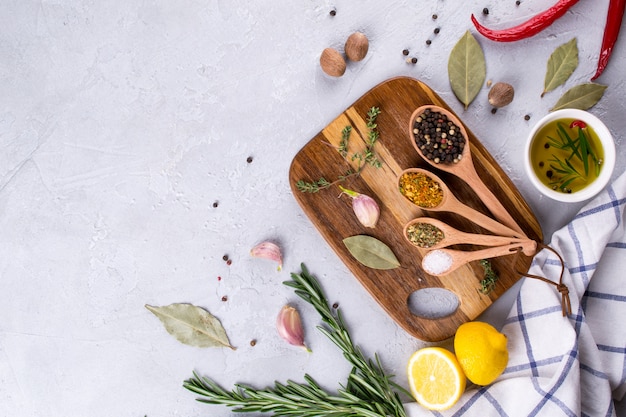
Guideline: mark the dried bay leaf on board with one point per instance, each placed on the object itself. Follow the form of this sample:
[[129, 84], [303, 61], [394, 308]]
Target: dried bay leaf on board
[[192, 325], [371, 252], [561, 65], [583, 97], [467, 68]]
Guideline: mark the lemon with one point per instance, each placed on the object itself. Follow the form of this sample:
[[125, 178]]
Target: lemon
[[435, 377], [481, 351]]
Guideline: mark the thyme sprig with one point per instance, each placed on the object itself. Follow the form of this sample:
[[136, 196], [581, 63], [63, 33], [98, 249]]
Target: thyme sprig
[[369, 391], [488, 283], [367, 157], [580, 149]]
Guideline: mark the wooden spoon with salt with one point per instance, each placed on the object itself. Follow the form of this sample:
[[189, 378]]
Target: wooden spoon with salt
[[440, 262], [429, 192], [444, 235], [464, 168]]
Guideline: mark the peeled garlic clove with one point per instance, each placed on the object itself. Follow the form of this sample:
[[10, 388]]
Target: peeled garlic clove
[[364, 206], [268, 250], [289, 327]]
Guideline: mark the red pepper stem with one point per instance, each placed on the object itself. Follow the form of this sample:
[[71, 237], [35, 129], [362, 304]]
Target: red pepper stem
[[530, 27], [611, 31]]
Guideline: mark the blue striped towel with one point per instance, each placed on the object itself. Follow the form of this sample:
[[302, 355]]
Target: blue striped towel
[[565, 366]]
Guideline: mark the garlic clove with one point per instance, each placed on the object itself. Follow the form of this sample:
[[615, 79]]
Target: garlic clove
[[365, 207], [289, 327], [270, 251]]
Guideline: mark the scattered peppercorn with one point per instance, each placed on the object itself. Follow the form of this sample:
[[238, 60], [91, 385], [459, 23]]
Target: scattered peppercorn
[[485, 11], [413, 60], [229, 262], [527, 117], [428, 41], [224, 298], [249, 160], [517, 3], [494, 110], [253, 342], [215, 204], [437, 30], [405, 52], [333, 12], [435, 17], [225, 257], [219, 278], [335, 305]]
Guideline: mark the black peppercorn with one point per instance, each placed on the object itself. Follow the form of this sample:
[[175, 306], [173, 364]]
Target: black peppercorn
[[405, 52], [215, 204], [527, 117], [435, 17], [333, 12], [494, 110], [414, 60], [485, 11], [249, 160], [437, 30], [428, 42]]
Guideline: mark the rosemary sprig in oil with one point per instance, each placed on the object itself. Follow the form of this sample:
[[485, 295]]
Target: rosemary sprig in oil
[[367, 157], [580, 149], [369, 391]]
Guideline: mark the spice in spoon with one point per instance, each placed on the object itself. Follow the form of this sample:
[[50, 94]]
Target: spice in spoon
[[439, 139], [424, 235], [421, 189]]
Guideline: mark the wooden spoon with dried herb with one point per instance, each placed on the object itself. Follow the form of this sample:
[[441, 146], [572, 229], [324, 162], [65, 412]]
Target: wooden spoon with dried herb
[[441, 140], [430, 233]]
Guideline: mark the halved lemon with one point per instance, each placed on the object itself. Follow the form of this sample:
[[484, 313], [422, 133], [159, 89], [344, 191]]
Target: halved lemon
[[436, 379]]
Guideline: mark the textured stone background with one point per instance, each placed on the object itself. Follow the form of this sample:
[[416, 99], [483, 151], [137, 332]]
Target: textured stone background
[[122, 123]]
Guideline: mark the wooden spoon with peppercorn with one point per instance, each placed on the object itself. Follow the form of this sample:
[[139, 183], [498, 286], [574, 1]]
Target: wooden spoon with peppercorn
[[441, 140], [429, 192], [443, 261], [430, 233]]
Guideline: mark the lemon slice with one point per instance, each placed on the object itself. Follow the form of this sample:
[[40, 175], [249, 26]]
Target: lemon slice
[[436, 379]]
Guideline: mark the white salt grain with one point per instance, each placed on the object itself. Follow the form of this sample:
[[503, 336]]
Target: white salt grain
[[436, 262]]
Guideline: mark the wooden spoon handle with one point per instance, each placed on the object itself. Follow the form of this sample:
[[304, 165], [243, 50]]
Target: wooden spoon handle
[[482, 219], [491, 201]]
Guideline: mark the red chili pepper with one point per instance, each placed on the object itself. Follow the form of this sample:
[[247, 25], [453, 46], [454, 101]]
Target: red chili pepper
[[529, 28], [611, 30], [578, 123]]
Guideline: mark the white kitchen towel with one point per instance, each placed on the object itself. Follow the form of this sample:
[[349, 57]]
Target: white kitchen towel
[[565, 366]]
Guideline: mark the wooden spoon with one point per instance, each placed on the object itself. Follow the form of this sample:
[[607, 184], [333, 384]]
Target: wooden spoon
[[450, 203], [451, 236], [440, 262], [464, 168]]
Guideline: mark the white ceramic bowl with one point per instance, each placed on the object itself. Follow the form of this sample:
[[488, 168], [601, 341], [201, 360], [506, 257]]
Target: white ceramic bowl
[[608, 163]]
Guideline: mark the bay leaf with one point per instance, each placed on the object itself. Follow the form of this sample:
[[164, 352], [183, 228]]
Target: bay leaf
[[467, 68], [561, 65], [583, 97], [371, 252], [192, 325]]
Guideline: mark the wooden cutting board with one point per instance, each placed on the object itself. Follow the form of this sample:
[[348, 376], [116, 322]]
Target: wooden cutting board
[[397, 98]]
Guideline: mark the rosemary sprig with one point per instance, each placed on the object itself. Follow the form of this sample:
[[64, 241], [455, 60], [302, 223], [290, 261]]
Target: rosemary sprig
[[369, 391], [580, 149], [367, 157]]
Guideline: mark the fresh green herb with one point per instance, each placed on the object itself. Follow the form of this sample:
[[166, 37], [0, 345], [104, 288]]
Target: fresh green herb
[[579, 149], [367, 157], [369, 391], [488, 283]]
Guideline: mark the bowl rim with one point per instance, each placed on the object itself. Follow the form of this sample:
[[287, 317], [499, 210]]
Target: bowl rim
[[608, 144]]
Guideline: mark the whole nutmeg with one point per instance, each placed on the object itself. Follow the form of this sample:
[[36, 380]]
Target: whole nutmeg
[[501, 94], [356, 46], [332, 62]]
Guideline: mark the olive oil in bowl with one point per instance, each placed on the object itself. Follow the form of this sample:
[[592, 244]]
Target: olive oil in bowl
[[567, 155]]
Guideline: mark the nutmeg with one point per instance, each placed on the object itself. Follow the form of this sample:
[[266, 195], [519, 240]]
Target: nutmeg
[[356, 46], [501, 94], [332, 62]]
